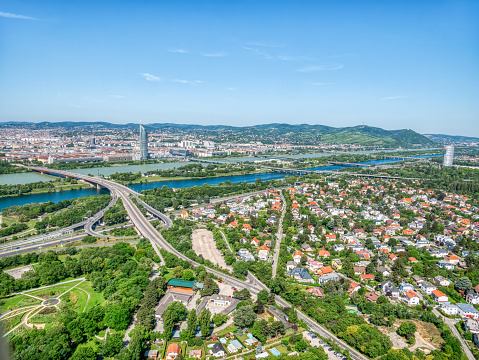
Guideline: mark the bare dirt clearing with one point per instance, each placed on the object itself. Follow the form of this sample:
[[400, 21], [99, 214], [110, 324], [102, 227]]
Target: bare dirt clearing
[[204, 244]]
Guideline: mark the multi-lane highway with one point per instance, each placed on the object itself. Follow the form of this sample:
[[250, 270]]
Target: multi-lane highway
[[148, 231]]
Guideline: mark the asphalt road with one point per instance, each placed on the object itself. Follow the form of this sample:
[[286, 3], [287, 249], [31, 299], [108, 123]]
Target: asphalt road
[[149, 232], [279, 237]]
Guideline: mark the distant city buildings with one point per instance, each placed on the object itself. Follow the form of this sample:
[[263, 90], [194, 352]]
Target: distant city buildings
[[448, 155], [143, 143]]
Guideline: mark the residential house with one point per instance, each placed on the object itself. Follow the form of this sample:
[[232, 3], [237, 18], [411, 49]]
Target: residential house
[[383, 270], [371, 296], [337, 264], [472, 298], [366, 277], [471, 325], [173, 351], [427, 287], [389, 289], [301, 275], [405, 287], [218, 350], [439, 296], [151, 354], [417, 279], [358, 270], [353, 287], [324, 253], [441, 281], [290, 265], [306, 247], [317, 291], [411, 298], [196, 354], [449, 309], [323, 279], [297, 255], [444, 264], [234, 346], [467, 311]]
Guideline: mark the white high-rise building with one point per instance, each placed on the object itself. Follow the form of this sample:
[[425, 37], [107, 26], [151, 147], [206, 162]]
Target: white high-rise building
[[448, 155]]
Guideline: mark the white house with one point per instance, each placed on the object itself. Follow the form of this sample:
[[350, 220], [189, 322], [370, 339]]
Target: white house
[[405, 287], [449, 309], [472, 326], [439, 296], [427, 287], [411, 298], [468, 311], [472, 298], [218, 350]]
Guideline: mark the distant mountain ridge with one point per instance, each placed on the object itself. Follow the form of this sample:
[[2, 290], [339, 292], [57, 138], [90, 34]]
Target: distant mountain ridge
[[294, 133], [452, 139]]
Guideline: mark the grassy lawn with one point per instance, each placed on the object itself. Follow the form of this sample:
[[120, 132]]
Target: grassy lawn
[[228, 329], [54, 291], [18, 302], [281, 348], [10, 323], [82, 298], [96, 298]]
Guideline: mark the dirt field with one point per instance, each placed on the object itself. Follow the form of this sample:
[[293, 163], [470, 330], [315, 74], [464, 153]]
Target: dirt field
[[18, 272], [204, 244]]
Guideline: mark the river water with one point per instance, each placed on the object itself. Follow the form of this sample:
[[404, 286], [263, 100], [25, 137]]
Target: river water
[[23, 178]]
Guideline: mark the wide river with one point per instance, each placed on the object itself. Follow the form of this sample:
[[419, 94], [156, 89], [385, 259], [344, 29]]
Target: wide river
[[24, 178]]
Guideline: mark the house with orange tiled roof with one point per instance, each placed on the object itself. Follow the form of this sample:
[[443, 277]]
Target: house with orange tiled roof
[[353, 287], [246, 227], [366, 277], [233, 224], [413, 260], [254, 241], [324, 253], [439, 296], [411, 298], [297, 255]]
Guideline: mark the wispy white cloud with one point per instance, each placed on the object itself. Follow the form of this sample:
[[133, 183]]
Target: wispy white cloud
[[218, 54], [311, 68], [191, 82], [15, 16], [117, 96], [295, 58], [150, 77], [231, 89], [181, 51], [258, 52], [392, 97]]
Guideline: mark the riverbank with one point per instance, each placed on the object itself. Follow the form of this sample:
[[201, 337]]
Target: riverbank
[[47, 189], [159, 179]]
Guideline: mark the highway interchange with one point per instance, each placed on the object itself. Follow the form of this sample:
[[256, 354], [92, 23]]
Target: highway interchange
[[147, 230]]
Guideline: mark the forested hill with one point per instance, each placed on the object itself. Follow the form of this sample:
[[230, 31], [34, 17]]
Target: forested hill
[[268, 133]]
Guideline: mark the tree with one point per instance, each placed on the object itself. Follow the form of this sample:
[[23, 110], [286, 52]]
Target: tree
[[178, 272], [205, 319], [240, 267], [259, 307], [407, 329], [293, 317], [113, 344], [277, 327], [244, 317], [117, 317], [463, 283], [243, 294], [174, 312], [84, 353], [191, 323], [219, 319], [88, 239], [188, 275], [263, 296]]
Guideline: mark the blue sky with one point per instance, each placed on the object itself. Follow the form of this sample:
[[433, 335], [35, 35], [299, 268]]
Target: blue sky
[[401, 64]]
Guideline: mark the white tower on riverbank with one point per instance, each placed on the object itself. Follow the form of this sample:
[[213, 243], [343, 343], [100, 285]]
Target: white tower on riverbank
[[448, 155]]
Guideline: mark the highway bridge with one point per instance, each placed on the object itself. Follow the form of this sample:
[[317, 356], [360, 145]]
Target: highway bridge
[[144, 227]]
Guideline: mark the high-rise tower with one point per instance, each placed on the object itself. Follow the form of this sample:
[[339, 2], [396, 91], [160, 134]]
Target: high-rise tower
[[448, 155], [143, 143]]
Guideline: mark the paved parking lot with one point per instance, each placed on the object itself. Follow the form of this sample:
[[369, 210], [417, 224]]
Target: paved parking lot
[[204, 244], [18, 272], [317, 342]]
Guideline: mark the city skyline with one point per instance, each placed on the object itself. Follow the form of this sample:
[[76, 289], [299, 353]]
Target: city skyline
[[403, 66]]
